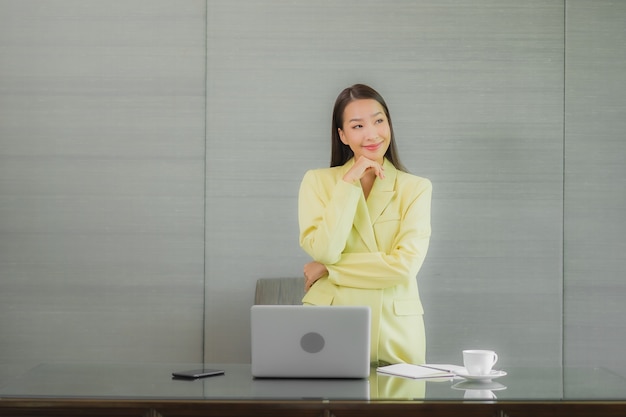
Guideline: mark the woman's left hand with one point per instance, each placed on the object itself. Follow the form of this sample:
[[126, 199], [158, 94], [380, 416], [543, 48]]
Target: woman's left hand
[[312, 272]]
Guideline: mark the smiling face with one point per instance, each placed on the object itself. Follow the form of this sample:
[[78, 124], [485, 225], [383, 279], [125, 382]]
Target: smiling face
[[366, 129]]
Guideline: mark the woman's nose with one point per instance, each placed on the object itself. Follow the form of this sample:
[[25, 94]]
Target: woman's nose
[[371, 132]]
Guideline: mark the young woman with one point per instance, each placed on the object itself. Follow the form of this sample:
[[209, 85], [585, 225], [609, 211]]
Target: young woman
[[365, 222]]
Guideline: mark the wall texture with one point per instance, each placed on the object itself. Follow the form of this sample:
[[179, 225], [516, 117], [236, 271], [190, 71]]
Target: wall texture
[[595, 201], [102, 145], [151, 153]]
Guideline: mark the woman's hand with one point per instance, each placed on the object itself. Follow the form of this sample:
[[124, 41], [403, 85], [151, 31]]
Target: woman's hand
[[361, 167], [312, 272]]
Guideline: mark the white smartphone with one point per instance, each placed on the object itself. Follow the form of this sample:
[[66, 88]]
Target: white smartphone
[[197, 373]]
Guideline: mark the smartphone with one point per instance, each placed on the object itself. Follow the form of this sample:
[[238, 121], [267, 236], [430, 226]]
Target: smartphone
[[197, 373]]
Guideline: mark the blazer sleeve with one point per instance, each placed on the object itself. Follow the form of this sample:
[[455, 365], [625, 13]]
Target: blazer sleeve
[[377, 270], [326, 212]]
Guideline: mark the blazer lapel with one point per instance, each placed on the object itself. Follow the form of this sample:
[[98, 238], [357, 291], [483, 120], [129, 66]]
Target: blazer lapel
[[363, 225], [382, 192]]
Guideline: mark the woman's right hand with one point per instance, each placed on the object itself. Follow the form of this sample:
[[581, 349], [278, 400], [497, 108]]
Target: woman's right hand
[[362, 166], [312, 272]]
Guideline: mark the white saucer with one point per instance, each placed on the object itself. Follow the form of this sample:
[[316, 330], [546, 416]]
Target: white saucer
[[492, 375]]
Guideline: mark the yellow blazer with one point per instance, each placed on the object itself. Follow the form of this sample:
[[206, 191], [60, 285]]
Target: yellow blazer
[[372, 249]]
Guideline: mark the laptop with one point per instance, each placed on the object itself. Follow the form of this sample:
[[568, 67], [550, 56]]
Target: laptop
[[295, 341]]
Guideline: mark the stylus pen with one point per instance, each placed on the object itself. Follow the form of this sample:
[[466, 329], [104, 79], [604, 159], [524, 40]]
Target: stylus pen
[[438, 369]]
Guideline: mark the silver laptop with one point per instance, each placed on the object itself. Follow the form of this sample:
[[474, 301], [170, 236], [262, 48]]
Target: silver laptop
[[295, 341]]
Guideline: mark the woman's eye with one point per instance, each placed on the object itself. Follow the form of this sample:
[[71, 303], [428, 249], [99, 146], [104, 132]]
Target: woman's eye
[[357, 126], [379, 121]]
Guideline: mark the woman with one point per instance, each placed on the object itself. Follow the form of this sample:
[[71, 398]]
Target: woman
[[366, 223]]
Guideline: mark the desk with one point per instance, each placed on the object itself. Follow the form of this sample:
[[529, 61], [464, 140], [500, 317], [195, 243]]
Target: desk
[[149, 390]]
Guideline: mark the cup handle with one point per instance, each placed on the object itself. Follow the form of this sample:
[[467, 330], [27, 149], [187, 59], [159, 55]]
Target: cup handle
[[495, 358]]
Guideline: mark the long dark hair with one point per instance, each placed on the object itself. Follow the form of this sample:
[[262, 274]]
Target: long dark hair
[[341, 153]]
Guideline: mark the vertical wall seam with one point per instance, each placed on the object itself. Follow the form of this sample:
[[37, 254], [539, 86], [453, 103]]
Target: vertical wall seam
[[204, 221], [563, 194]]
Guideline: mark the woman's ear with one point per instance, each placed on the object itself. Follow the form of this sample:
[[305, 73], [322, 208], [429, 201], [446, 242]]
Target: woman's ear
[[342, 136]]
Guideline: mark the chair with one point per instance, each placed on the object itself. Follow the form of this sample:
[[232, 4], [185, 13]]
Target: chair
[[279, 291]]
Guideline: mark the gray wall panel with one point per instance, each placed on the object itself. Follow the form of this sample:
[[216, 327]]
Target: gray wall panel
[[595, 201], [101, 181], [475, 90]]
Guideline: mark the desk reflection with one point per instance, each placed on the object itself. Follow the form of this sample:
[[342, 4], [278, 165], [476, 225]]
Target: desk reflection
[[141, 381], [387, 386], [377, 386], [310, 389], [474, 390]]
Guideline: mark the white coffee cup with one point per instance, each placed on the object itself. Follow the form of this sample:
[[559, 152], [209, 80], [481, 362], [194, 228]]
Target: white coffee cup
[[479, 362]]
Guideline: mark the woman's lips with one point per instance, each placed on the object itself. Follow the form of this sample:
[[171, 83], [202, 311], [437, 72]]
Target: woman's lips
[[373, 147]]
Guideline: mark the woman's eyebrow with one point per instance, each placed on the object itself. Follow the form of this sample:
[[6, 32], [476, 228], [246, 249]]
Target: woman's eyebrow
[[358, 119]]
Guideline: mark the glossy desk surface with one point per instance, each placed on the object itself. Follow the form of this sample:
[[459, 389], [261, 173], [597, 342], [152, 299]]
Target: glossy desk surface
[[154, 381]]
